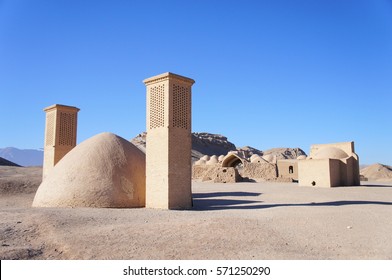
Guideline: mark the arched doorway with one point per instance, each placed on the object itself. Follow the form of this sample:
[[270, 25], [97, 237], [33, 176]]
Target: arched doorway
[[233, 160]]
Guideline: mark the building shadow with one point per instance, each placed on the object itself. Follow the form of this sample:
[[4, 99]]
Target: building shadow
[[222, 204], [215, 201], [376, 186], [247, 180], [220, 194]]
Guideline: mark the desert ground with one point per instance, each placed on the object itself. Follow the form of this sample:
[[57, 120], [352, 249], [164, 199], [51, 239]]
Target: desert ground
[[229, 221]]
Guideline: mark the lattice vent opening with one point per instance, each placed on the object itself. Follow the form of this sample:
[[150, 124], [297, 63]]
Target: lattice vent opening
[[181, 103], [50, 125], [67, 129], [157, 106]]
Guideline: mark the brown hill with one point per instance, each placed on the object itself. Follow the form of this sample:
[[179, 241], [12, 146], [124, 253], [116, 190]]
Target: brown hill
[[378, 172], [211, 144], [285, 153], [248, 151]]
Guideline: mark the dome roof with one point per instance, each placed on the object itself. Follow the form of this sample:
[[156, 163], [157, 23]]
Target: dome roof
[[330, 152], [301, 157], [200, 162], [255, 158], [206, 158], [103, 171], [213, 160], [269, 158]]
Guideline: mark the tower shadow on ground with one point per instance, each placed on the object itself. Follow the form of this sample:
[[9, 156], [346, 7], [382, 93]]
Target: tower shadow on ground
[[217, 201]]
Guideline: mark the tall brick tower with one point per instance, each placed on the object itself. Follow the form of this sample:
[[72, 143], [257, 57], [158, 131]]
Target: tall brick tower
[[60, 134], [169, 143]]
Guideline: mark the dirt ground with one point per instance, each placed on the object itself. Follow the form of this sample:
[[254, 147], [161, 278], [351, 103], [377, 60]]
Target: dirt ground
[[228, 221]]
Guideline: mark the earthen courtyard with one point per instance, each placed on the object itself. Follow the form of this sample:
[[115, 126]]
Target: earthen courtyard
[[265, 220]]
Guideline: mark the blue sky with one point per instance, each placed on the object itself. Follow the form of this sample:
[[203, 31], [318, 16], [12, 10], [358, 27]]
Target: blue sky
[[269, 73]]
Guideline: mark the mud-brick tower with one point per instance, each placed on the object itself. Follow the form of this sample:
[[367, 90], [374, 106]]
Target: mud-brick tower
[[60, 134], [169, 143]]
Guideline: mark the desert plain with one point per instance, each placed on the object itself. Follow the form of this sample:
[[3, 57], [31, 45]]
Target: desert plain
[[263, 220]]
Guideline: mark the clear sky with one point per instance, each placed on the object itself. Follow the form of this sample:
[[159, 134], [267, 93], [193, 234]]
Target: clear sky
[[269, 73]]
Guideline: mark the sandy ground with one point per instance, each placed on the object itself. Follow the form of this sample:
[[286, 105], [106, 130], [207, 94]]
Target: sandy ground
[[229, 221]]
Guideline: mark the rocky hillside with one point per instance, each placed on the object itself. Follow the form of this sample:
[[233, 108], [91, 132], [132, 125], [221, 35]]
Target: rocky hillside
[[202, 144], [140, 141], [377, 172], [248, 151], [211, 144], [285, 153], [216, 144]]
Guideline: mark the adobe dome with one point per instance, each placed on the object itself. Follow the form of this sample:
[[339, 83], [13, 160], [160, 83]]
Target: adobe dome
[[330, 152], [206, 158], [220, 158], [255, 158], [103, 171], [269, 158], [302, 157], [213, 160], [200, 162]]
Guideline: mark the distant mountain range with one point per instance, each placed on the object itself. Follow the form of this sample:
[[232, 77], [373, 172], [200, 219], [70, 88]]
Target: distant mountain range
[[26, 157]]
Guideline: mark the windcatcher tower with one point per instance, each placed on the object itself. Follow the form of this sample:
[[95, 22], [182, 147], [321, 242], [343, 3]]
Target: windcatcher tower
[[169, 143], [60, 134]]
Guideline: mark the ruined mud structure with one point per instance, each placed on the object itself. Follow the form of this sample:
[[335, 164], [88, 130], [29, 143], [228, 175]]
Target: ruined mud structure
[[329, 165], [236, 167]]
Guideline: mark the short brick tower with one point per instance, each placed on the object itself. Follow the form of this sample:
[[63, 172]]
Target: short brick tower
[[60, 134], [169, 142]]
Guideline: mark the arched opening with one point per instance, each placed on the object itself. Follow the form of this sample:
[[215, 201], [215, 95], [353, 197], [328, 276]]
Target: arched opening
[[238, 164], [291, 169], [233, 160]]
